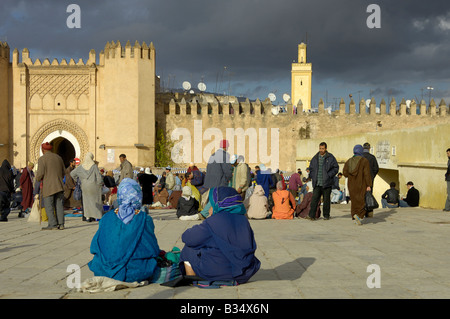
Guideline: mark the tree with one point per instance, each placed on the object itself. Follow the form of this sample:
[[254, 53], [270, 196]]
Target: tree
[[163, 149]]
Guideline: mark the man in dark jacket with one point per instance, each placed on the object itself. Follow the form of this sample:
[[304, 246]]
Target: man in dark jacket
[[322, 169], [374, 168], [412, 197], [6, 189], [390, 197]]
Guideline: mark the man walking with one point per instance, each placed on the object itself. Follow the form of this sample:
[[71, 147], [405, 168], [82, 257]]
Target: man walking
[[374, 168], [126, 169], [447, 179], [51, 172], [323, 168], [357, 170]]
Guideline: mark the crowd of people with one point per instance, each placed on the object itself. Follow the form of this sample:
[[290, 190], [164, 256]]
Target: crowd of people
[[220, 248], [90, 191]]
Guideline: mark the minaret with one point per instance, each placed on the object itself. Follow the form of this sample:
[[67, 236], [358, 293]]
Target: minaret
[[301, 75]]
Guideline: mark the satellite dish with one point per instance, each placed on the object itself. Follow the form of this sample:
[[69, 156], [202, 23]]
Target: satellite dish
[[368, 103], [202, 86], [408, 103], [186, 85], [275, 110], [286, 97], [272, 97], [191, 91], [377, 110]]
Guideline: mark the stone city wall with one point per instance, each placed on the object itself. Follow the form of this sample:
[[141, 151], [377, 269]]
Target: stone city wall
[[178, 113]]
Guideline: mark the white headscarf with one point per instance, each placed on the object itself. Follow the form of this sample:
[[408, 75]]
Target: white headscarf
[[186, 192], [88, 161]]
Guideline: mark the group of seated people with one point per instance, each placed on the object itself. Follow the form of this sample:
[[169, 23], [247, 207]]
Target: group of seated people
[[391, 197], [221, 248], [261, 201], [191, 204]]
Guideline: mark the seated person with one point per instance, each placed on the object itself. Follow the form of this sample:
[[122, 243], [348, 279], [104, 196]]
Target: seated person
[[125, 247], [196, 178], [195, 191], [175, 196], [302, 209], [390, 198], [205, 204], [284, 203], [257, 204], [161, 195], [336, 189], [222, 247], [187, 205], [412, 197]]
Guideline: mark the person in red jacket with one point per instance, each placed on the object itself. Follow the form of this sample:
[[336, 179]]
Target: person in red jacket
[[26, 185]]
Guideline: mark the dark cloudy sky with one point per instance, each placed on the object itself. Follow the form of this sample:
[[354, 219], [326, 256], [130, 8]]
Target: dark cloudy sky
[[256, 40]]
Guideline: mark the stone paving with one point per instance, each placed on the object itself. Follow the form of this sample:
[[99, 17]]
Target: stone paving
[[300, 259]]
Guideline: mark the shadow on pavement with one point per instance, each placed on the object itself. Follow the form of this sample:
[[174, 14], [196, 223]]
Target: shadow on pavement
[[9, 248], [289, 271], [380, 216]]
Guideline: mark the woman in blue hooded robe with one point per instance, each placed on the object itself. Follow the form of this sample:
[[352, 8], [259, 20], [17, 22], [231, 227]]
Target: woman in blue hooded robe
[[222, 247], [125, 247]]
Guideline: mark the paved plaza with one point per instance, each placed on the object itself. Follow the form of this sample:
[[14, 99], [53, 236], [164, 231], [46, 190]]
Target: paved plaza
[[300, 259]]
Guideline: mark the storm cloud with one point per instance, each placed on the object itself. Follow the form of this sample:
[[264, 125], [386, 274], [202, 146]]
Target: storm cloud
[[246, 47]]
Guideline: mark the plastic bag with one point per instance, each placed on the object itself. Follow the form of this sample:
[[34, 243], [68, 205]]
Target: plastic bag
[[371, 202], [35, 214]]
